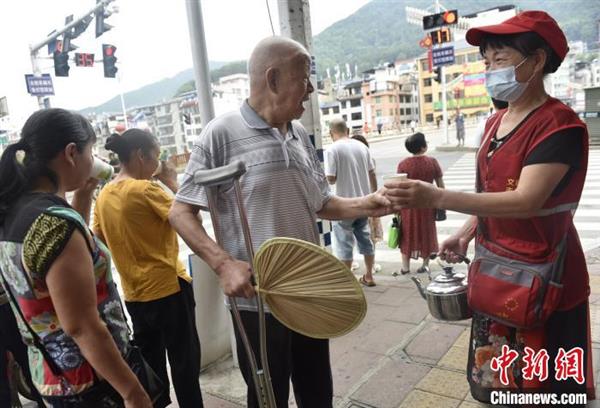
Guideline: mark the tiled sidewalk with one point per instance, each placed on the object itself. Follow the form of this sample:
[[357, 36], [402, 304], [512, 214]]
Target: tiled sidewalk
[[399, 356]]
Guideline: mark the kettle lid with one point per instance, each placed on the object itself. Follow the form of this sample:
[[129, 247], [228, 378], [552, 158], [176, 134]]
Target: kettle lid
[[448, 282]]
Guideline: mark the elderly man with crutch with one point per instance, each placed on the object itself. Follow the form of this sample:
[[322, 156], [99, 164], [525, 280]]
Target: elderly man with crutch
[[283, 189]]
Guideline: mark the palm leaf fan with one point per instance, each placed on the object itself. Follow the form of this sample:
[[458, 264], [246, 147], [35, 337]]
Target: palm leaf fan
[[308, 289]]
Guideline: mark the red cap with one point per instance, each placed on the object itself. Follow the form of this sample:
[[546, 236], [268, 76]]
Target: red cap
[[535, 21]]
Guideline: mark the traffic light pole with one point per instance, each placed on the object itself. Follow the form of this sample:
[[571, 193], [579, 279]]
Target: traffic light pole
[[122, 102], [444, 104], [438, 9], [36, 71], [33, 49]]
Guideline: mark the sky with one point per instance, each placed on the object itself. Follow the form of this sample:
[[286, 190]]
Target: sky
[[152, 40]]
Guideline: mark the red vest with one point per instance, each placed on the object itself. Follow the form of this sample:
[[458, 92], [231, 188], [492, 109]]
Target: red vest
[[536, 237]]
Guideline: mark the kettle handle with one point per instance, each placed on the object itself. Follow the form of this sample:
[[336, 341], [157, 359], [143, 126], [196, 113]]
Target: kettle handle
[[462, 258]]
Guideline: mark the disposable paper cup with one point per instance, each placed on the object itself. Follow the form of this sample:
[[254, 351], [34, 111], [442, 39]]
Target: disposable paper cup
[[101, 170], [394, 177], [158, 169]]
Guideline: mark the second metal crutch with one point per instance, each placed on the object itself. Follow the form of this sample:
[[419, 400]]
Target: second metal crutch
[[211, 179]]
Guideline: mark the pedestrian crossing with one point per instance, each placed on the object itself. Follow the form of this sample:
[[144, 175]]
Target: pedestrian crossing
[[461, 177]]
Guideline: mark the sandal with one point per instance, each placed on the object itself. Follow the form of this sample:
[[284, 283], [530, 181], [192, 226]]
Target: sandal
[[423, 269], [403, 272], [366, 282]]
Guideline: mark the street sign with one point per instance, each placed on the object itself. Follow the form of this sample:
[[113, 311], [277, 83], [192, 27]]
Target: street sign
[[84, 59], [39, 86], [425, 42], [442, 56]]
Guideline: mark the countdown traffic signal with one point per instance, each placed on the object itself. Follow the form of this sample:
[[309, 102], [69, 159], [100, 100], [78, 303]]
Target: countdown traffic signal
[[440, 36]]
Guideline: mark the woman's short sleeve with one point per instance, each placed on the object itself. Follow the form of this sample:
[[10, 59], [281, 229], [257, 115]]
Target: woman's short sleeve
[[44, 242]]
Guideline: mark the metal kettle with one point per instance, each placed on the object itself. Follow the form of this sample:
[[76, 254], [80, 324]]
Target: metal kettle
[[446, 295]]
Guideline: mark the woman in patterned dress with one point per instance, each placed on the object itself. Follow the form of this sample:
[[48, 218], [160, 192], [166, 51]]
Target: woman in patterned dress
[[56, 273]]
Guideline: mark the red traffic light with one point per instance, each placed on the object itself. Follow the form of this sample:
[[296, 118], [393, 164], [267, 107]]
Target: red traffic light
[[450, 17], [108, 50], [109, 60]]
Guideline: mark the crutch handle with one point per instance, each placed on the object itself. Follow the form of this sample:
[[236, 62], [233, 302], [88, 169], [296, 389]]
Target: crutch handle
[[220, 175]]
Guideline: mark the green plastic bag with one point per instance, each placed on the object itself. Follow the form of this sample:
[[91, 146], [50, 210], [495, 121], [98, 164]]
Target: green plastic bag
[[394, 233]]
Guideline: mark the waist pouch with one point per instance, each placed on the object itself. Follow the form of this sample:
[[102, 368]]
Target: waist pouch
[[513, 290]]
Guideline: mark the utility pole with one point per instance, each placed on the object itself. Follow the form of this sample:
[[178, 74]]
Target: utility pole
[[200, 60], [122, 101], [34, 48], [294, 22]]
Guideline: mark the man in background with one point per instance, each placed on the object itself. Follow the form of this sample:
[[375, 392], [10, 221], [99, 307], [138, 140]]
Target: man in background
[[460, 127], [348, 165]]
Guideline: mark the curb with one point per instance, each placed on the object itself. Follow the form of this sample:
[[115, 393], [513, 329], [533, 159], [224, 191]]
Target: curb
[[453, 148]]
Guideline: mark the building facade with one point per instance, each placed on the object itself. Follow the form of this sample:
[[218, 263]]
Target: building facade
[[465, 86], [176, 123]]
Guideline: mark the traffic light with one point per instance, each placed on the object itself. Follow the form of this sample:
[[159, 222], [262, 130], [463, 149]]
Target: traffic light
[[437, 77], [67, 46], [109, 60], [101, 26], [440, 19], [61, 64], [81, 27]]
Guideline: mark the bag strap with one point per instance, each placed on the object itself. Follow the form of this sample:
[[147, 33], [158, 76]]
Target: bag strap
[[37, 341], [73, 216]]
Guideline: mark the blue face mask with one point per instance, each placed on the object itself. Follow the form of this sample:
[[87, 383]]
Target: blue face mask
[[502, 83]]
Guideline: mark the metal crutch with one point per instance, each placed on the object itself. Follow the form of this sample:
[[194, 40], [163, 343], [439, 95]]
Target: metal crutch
[[211, 179]]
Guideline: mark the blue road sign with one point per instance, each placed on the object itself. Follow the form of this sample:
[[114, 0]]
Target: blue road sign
[[39, 86], [442, 56]]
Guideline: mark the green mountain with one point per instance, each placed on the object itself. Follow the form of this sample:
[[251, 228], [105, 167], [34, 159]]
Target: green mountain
[[377, 32], [236, 67], [151, 93]]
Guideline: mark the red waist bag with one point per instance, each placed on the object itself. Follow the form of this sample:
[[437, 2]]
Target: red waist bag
[[513, 290]]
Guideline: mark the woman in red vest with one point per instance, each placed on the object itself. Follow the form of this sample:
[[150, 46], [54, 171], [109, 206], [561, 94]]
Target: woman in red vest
[[528, 284]]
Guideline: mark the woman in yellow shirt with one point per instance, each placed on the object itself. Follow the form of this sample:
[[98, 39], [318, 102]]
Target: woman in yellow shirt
[[131, 218]]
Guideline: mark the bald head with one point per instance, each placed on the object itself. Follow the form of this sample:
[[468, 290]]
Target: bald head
[[280, 83], [274, 52], [338, 128]]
